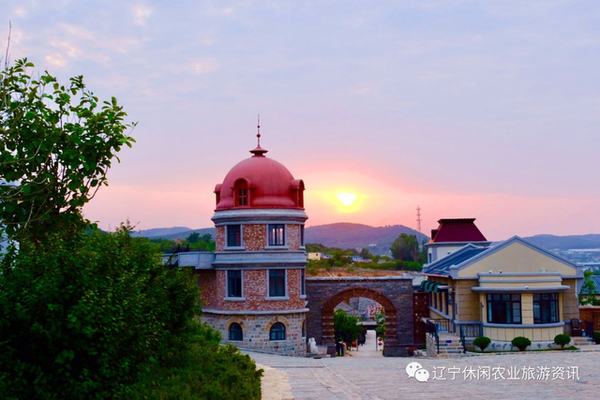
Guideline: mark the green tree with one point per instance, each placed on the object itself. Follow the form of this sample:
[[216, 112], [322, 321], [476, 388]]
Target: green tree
[[58, 142], [405, 248], [380, 318], [366, 254], [346, 327], [588, 293], [90, 316], [193, 237]]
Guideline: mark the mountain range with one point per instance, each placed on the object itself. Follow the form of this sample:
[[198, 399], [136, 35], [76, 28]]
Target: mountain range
[[378, 239]]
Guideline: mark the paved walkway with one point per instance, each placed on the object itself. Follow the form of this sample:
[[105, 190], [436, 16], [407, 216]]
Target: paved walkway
[[531, 375]]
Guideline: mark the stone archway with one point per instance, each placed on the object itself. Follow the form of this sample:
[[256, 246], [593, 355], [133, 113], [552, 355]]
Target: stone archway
[[393, 293], [345, 295]]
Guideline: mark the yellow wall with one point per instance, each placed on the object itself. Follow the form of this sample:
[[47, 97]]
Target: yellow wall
[[468, 307], [517, 258], [533, 334]]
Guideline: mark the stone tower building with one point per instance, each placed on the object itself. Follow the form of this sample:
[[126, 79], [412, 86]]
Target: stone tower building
[[255, 293]]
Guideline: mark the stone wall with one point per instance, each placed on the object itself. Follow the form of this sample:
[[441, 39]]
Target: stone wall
[[256, 332], [395, 294], [255, 236]]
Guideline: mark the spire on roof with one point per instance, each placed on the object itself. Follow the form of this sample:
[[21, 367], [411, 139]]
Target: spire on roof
[[258, 151]]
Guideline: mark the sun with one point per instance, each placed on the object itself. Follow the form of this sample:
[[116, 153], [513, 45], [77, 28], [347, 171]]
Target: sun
[[346, 198]]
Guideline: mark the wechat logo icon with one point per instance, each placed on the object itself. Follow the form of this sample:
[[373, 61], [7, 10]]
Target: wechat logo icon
[[416, 370]]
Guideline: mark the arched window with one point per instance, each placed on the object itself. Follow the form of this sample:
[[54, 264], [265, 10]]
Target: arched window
[[277, 331], [235, 332], [240, 191]]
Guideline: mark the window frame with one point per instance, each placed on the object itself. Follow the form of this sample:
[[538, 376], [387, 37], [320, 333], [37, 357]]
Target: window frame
[[241, 193], [276, 335], [303, 282], [270, 287], [241, 332], [274, 238], [553, 313], [241, 285], [501, 308], [228, 235]]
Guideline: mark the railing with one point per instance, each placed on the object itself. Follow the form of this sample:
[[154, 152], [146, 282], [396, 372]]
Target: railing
[[196, 259], [470, 330], [442, 325], [432, 329]]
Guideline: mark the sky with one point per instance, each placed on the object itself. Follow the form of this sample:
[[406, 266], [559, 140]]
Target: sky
[[479, 109]]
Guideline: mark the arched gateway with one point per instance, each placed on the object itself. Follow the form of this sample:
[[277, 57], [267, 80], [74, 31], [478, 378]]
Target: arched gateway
[[395, 294]]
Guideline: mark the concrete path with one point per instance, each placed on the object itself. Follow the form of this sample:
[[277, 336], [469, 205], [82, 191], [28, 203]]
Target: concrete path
[[531, 375]]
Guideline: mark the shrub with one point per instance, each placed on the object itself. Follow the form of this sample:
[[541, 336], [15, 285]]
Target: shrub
[[89, 316], [482, 342], [521, 342], [562, 340], [597, 337], [346, 327]]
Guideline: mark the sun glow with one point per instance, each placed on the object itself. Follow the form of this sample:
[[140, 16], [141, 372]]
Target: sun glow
[[346, 198]]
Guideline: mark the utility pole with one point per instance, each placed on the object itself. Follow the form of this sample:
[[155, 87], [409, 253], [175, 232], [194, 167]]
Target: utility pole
[[418, 219]]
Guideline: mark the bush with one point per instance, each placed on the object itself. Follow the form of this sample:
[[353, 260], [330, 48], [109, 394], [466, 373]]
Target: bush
[[88, 316], [346, 327], [482, 342], [201, 369], [521, 343], [562, 340], [597, 337]]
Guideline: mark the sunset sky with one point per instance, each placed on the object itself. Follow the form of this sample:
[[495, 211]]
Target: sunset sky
[[484, 109]]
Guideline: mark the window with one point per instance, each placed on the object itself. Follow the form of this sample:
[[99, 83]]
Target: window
[[234, 284], [235, 332], [276, 235], [504, 308], [302, 282], [234, 235], [240, 191], [545, 308], [277, 283], [242, 197], [301, 235], [277, 331]]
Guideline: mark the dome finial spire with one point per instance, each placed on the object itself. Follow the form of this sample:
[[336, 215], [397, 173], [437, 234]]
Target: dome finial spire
[[258, 134], [258, 151]]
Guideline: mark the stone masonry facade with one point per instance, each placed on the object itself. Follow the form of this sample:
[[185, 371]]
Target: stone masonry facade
[[256, 330], [395, 294]]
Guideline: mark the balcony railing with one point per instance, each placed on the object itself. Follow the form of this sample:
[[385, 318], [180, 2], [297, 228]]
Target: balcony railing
[[196, 259]]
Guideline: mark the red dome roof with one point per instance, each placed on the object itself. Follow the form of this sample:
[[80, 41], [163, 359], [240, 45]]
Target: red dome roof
[[259, 182]]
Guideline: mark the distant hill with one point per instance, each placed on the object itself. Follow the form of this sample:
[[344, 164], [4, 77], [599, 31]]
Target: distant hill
[[172, 233], [551, 242], [349, 236], [377, 239], [342, 235]]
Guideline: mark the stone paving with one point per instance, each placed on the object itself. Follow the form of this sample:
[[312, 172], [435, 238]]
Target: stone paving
[[548, 375]]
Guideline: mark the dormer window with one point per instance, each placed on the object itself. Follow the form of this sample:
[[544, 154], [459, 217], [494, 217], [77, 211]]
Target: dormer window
[[297, 192], [241, 193], [242, 197]]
